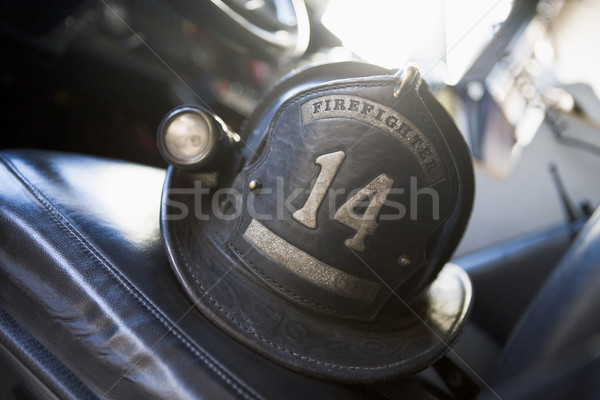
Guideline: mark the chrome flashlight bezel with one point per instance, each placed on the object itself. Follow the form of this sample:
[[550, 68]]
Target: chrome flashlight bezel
[[203, 156]]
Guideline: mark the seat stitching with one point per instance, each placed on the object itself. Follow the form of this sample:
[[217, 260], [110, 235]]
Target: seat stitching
[[214, 365]]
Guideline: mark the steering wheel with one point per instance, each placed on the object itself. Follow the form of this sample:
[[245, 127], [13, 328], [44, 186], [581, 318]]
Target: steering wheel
[[563, 318], [276, 28]]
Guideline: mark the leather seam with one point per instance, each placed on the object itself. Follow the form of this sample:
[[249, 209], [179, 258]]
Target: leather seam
[[249, 330], [125, 283], [274, 282], [258, 163], [285, 289]]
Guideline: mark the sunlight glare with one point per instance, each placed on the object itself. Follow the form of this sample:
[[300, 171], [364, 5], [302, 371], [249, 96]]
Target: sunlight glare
[[383, 32]]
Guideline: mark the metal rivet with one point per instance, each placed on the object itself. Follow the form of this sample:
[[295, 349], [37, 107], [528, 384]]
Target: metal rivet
[[403, 260], [253, 184]]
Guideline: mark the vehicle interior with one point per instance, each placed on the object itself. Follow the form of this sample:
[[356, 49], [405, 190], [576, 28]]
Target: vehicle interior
[[91, 304]]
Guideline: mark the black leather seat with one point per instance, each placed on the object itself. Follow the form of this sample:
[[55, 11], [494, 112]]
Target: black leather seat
[[89, 306]]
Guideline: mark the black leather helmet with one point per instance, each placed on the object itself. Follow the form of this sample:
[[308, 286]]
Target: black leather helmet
[[322, 245]]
